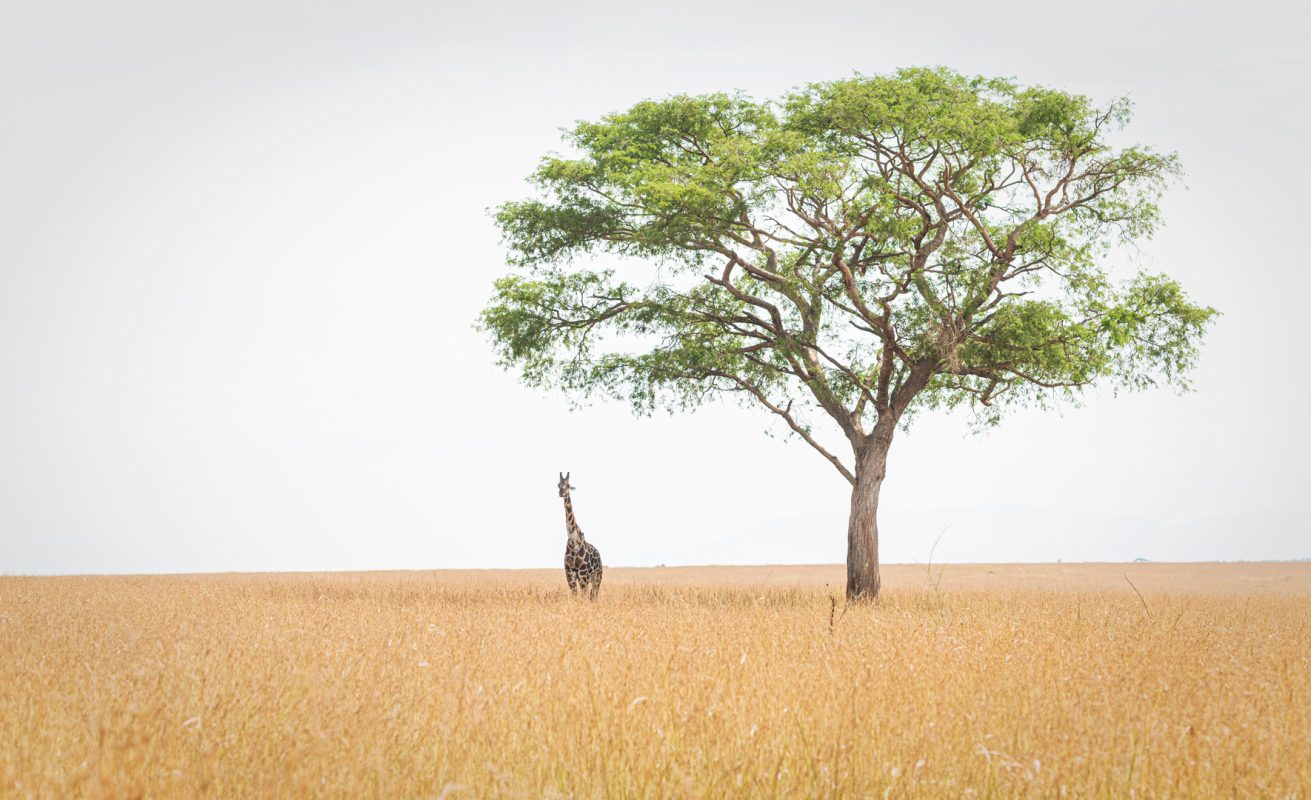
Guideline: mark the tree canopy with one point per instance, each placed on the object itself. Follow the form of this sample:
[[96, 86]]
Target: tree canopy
[[862, 247]]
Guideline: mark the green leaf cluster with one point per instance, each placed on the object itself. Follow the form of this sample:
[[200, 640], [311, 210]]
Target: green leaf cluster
[[854, 250]]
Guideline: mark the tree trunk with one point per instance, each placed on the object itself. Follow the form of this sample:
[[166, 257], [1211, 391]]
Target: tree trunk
[[862, 526]]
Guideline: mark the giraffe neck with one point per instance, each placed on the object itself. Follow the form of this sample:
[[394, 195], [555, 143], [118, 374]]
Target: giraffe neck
[[571, 524]]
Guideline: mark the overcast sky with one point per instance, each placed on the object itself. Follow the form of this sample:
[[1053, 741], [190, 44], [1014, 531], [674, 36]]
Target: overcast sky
[[242, 246]]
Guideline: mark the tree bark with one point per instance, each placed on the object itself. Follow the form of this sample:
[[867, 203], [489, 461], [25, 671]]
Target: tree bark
[[862, 526]]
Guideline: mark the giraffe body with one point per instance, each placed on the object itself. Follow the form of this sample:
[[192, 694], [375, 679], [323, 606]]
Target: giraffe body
[[582, 568], [582, 561]]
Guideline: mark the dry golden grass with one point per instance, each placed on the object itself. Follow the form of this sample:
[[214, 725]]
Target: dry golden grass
[[1007, 681]]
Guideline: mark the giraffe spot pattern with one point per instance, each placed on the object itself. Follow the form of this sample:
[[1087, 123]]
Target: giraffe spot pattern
[[582, 568]]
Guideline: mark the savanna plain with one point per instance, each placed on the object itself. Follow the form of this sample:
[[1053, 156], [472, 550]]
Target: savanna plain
[[1096, 680]]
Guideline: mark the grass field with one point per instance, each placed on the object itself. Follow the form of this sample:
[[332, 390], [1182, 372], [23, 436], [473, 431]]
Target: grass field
[[978, 681]]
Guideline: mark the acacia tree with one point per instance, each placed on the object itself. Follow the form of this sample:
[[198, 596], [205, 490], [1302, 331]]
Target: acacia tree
[[856, 250]]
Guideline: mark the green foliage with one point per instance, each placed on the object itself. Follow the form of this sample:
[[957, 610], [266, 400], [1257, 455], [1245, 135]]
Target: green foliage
[[862, 246]]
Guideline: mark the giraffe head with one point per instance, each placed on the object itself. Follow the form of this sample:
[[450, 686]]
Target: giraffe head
[[564, 484]]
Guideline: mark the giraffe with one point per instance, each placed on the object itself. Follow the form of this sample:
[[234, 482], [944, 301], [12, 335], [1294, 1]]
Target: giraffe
[[582, 563]]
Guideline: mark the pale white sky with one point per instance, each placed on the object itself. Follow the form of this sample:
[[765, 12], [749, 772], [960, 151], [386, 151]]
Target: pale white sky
[[242, 246]]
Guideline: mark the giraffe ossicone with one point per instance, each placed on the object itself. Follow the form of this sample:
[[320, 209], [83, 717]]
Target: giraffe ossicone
[[582, 562]]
